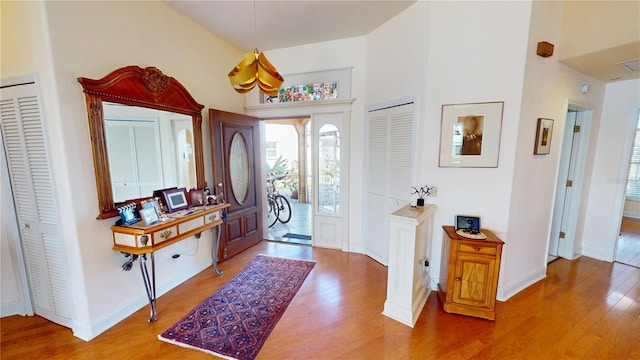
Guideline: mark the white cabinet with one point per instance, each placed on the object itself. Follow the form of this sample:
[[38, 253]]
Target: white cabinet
[[408, 282], [390, 164]]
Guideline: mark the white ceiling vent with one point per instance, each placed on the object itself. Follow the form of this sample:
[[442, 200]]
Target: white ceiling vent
[[630, 65]]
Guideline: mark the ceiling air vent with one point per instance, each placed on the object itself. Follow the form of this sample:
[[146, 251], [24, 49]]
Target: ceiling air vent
[[630, 65]]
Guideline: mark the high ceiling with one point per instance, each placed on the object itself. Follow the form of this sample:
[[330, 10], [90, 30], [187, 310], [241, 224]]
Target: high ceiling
[[283, 24]]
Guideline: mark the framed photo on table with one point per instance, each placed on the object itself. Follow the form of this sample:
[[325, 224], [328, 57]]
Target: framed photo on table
[[176, 199], [543, 137], [470, 134], [197, 197], [149, 215]]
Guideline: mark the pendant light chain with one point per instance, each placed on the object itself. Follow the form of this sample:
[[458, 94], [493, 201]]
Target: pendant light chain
[[255, 26]]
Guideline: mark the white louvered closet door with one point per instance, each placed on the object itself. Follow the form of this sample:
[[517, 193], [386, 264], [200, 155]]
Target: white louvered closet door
[[34, 198], [390, 171]]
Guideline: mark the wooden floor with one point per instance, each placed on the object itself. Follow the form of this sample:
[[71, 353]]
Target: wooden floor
[[584, 309], [628, 251]]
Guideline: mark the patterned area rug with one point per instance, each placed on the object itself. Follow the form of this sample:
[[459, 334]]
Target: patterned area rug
[[236, 320]]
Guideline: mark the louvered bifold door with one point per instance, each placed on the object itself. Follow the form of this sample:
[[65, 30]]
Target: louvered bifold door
[[32, 188], [390, 165]]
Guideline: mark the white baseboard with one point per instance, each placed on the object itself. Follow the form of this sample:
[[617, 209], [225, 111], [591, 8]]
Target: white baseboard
[[631, 214], [507, 291], [12, 308], [356, 248], [87, 332], [595, 254]]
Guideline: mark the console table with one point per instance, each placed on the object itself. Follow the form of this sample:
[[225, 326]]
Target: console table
[[408, 282], [138, 240]]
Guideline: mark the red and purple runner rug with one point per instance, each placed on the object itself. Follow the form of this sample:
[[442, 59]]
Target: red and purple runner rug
[[236, 320]]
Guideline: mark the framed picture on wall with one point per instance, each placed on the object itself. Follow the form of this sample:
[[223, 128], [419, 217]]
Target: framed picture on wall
[[470, 134], [543, 137]]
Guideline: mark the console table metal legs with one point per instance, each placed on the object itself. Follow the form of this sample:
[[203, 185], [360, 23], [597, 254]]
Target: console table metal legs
[[150, 284], [150, 281], [214, 249]]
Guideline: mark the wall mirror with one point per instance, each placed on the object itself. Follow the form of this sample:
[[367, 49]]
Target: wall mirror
[[145, 135]]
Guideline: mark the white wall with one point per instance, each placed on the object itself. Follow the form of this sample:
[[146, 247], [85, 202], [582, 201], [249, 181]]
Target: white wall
[[476, 54], [91, 39], [26, 50], [548, 85], [338, 54], [611, 165]]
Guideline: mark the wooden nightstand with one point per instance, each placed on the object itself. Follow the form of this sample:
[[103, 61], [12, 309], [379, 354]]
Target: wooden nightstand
[[469, 274]]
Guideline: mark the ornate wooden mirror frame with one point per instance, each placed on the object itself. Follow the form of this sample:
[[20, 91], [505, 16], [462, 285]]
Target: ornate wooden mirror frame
[[133, 85]]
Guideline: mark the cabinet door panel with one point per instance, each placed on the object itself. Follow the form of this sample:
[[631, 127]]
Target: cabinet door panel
[[473, 280]]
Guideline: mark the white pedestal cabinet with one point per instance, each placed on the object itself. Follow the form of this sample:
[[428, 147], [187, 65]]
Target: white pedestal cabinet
[[408, 283]]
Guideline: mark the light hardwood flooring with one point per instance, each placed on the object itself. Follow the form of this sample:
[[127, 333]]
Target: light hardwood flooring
[[628, 251], [584, 309]]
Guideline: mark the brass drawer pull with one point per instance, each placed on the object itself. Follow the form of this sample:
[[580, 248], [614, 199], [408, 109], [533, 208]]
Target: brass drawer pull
[[212, 217], [458, 279], [166, 234], [144, 239]]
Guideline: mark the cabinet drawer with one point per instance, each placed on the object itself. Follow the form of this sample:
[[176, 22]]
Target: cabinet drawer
[[213, 217], [165, 234], [191, 224], [477, 249]]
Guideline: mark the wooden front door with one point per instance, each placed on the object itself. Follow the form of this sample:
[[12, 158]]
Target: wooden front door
[[235, 149]]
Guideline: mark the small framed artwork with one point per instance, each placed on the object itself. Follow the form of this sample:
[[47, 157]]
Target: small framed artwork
[[149, 215], [543, 137], [176, 199], [470, 134], [197, 197]]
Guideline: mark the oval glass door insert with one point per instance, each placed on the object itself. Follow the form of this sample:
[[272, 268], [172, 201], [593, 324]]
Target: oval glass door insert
[[239, 168]]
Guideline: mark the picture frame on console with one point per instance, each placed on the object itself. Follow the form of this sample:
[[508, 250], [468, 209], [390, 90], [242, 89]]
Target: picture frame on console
[[149, 215], [544, 130], [176, 199], [197, 197], [470, 134]]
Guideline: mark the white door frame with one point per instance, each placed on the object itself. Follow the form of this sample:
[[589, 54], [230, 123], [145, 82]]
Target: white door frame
[[620, 197], [311, 110], [566, 248]]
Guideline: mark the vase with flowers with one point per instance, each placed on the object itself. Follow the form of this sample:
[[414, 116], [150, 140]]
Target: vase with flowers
[[422, 193]]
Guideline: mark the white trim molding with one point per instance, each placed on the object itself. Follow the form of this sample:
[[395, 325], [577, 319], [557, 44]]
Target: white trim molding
[[508, 290]]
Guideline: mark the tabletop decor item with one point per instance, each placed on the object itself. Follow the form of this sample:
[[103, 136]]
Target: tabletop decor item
[[422, 192]]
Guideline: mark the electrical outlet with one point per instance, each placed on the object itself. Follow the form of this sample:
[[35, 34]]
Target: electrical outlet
[[434, 191]]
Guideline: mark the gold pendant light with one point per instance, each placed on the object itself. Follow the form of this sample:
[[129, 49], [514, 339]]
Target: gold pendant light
[[254, 70]]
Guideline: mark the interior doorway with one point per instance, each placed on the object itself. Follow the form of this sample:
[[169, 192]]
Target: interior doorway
[[289, 176], [570, 183], [628, 243]]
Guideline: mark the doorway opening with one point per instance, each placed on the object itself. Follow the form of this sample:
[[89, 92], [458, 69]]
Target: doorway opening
[[628, 244], [570, 183], [289, 179]]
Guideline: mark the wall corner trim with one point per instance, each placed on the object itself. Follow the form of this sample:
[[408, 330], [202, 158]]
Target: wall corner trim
[[507, 291]]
